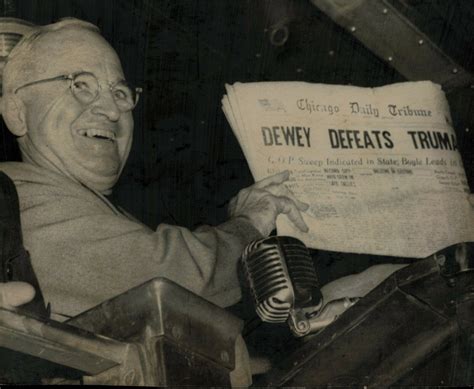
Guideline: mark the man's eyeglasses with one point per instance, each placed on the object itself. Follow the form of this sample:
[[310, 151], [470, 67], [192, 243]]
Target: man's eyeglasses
[[85, 88]]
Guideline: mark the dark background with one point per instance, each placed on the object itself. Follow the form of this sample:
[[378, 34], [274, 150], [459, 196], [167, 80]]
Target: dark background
[[186, 164]]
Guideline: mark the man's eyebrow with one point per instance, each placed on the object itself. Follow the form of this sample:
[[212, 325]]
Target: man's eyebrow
[[118, 81]]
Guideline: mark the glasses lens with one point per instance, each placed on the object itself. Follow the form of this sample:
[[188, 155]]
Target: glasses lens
[[125, 96], [85, 87]]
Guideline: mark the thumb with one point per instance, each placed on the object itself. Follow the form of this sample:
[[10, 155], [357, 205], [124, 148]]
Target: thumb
[[15, 293]]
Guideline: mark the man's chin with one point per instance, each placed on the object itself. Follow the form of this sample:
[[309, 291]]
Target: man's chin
[[102, 186], [101, 180]]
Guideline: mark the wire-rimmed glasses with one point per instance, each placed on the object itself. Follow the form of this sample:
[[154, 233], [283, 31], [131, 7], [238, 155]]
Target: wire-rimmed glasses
[[86, 88]]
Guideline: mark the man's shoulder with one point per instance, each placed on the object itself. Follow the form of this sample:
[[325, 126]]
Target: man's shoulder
[[28, 176], [22, 171], [39, 187]]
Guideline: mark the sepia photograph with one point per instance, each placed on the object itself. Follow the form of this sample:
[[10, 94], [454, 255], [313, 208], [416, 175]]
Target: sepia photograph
[[237, 193]]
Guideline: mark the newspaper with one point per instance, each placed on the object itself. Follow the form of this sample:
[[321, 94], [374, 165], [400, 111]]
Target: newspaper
[[380, 167]]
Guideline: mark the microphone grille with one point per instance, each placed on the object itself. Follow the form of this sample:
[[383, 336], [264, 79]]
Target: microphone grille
[[281, 276], [302, 272], [266, 271]]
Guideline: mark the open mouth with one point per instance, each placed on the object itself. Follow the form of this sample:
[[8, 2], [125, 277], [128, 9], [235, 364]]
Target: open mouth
[[95, 133]]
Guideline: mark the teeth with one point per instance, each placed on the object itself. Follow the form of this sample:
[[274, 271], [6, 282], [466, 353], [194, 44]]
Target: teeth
[[92, 132]]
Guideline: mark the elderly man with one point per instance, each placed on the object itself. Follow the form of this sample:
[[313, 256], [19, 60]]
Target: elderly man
[[66, 100]]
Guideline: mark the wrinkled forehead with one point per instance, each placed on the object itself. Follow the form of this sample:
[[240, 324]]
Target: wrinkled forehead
[[72, 50]]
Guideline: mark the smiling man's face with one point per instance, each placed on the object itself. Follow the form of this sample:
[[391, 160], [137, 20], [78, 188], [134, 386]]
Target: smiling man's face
[[87, 142]]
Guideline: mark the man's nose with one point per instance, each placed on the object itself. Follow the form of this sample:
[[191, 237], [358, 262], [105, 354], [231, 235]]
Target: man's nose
[[105, 105]]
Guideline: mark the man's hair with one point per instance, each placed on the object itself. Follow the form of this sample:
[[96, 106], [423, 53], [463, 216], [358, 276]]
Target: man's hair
[[20, 61]]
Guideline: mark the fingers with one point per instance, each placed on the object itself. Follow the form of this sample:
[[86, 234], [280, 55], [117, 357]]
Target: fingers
[[262, 202], [289, 208], [282, 190], [278, 178], [14, 294]]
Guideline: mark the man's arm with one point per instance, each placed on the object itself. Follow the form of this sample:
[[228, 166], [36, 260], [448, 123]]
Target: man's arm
[[84, 253]]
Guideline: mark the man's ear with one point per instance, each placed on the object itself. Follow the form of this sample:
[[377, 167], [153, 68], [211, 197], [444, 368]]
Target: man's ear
[[14, 114]]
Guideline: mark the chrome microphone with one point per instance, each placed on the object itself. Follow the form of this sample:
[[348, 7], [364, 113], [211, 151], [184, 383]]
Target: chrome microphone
[[281, 277]]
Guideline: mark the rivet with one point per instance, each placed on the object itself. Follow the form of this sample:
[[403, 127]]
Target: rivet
[[467, 129], [353, 28], [385, 11], [455, 70], [299, 70], [258, 55], [421, 41], [331, 52], [390, 59]]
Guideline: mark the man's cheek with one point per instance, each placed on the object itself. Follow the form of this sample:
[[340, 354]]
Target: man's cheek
[[125, 137]]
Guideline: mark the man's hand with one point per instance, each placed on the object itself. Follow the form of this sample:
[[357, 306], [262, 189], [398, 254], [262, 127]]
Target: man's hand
[[15, 293], [262, 202]]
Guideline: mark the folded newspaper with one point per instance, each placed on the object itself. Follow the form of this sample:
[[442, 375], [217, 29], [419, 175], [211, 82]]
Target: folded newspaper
[[380, 167]]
